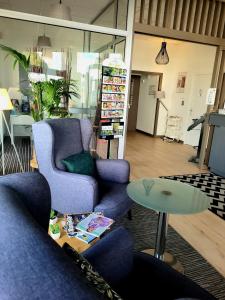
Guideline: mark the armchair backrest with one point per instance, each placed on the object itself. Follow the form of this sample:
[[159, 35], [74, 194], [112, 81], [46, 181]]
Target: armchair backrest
[[56, 139]]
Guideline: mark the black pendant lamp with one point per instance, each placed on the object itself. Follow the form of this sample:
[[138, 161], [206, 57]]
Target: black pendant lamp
[[162, 58]]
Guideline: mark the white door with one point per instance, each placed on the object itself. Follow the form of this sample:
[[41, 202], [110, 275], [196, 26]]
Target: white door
[[197, 107], [147, 103]]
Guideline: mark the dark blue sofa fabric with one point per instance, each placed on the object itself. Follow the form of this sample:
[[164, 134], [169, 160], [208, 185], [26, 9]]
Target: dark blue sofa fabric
[[32, 265], [156, 280], [112, 256], [139, 275], [34, 191]]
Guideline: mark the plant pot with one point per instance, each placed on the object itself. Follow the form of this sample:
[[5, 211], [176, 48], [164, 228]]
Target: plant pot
[[55, 236], [53, 221], [33, 161]]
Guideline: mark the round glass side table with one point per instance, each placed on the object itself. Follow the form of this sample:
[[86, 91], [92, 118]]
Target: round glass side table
[[167, 197]]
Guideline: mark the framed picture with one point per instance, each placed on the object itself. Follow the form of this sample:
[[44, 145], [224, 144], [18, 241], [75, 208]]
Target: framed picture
[[152, 89], [181, 82]]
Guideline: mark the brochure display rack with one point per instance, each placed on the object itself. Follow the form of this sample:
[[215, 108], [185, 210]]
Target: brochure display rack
[[112, 103]]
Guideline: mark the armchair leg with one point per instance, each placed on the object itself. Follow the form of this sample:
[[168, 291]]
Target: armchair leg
[[129, 215]]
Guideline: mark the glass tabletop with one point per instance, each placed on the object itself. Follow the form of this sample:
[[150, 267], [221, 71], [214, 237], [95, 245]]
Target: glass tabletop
[[168, 196]]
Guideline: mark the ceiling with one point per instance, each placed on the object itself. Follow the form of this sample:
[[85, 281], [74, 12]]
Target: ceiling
[[81, 10]]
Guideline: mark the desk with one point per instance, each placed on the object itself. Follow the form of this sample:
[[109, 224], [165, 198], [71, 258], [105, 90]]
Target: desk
[[21, 120], [167, 197]]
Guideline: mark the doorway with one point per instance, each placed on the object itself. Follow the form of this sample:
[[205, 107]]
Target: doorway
[[197, 106], [143, 105], [133, 103]]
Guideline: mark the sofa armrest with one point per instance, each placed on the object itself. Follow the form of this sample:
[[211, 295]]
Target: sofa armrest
[[34, 191], [112, 256], [165, 282], [116, 170], [73, 193]]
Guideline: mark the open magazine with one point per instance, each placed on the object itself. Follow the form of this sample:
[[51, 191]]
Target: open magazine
[[95, 224]]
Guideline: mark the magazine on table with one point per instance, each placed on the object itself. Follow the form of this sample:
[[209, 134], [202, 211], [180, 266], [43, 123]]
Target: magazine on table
[[71, 222], [85, 237], [94, 224]]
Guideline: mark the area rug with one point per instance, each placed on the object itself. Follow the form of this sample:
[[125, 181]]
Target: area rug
[[143, 228], [211, 184], [11, 162]]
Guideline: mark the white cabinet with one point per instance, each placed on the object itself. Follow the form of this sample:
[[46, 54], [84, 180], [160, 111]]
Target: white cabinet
[[21, 125]]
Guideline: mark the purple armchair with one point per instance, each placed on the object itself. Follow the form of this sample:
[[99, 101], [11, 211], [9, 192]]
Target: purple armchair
[[57, 139]]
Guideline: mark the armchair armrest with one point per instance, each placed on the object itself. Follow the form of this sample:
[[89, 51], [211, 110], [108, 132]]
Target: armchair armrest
[[116, 170], [112, 256], [72, 193]]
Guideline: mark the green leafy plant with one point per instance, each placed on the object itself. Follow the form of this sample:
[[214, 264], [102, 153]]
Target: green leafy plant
[[54, 91], [53, 214], [19, 58], [55, 229], [48, 96], [37, 109]]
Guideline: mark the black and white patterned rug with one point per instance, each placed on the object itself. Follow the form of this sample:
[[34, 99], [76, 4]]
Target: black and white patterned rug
[[211, 184]]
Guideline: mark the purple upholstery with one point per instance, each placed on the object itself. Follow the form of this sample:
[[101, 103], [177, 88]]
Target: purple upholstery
[[114, 199], [57, 139], [67, 139], [116, 170]]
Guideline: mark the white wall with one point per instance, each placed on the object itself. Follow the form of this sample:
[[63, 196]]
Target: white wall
[[184, 57]]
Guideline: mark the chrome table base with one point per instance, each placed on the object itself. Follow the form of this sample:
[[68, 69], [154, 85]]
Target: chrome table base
[[160, 244], [169, 259]]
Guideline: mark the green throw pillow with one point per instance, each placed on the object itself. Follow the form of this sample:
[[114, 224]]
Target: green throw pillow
[[91, 275], [80, 163]]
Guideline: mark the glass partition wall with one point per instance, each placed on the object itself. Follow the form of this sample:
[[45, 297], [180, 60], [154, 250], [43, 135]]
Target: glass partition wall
[[106, 13], [66, 49]]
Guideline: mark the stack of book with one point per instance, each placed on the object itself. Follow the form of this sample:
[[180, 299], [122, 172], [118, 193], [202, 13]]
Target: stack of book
[[87, 227]]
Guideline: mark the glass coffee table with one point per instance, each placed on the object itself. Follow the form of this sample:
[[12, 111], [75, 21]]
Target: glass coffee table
[[167, 197]]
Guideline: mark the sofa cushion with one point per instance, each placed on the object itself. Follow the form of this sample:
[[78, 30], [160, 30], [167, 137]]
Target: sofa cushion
[[81, 163], [91, 275]]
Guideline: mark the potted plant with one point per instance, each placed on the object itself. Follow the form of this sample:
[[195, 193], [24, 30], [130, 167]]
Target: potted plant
[[55, 231], [50, 97], [56, 95], [53, 217]]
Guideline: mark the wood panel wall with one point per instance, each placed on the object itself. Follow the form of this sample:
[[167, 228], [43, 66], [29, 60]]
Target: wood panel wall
[[205, 17]]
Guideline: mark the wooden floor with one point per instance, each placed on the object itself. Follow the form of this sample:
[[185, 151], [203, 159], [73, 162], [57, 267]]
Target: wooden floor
[[151, 157]]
